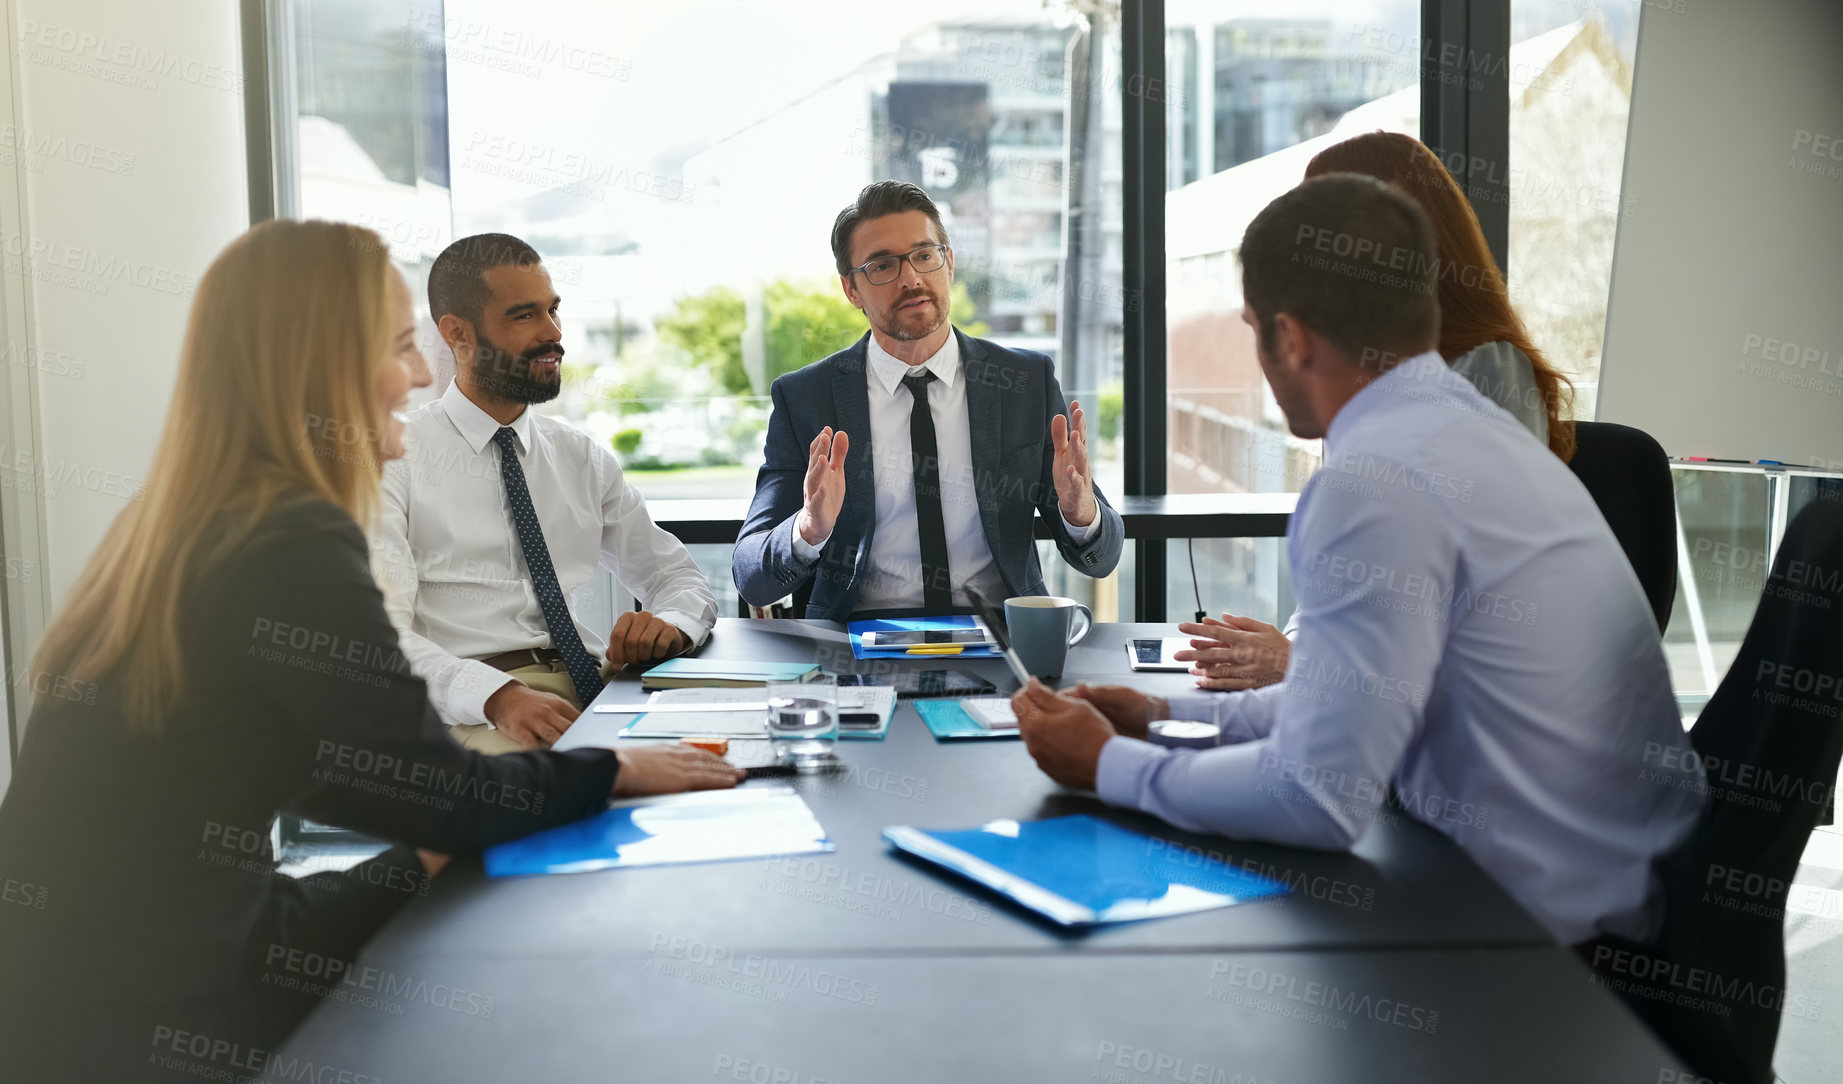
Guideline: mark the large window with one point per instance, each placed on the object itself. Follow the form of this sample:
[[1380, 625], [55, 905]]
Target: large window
[[1256, 91], [683, 187], [362, 93], [679, 166], [1570, 90]]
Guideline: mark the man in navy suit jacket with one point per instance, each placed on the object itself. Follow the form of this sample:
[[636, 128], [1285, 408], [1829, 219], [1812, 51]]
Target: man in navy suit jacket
[[910, 465]]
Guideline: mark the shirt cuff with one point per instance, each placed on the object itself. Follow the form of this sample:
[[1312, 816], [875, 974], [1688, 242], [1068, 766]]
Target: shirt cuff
[[688, 624], [1082, 535], [804, 551], [1199, 707], [1125, 766], [472, 685]]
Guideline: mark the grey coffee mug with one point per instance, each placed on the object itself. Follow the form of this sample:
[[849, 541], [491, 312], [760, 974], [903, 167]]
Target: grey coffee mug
[[1041, 628]]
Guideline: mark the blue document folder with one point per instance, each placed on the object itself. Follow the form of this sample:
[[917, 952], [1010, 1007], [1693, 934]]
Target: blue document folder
[[1084, 871], [948, 721], [857, 629], [759, 820]]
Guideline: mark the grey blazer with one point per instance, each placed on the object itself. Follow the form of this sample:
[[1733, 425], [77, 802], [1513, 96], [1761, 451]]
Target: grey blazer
[[1505, 375], [1011, 396]]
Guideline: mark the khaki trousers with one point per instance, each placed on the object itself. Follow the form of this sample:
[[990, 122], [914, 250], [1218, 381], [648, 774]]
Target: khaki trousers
[[549, 677]]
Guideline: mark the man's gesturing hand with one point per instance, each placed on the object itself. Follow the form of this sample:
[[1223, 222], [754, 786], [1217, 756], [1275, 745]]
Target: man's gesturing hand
[[1063, 733], [668, 769], [531, 718], [1235, 653], [638, 636], [1074, 485], [825, 486]]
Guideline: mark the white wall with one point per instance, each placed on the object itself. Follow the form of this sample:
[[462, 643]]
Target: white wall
[[146, 97], [121, 175], [1725, 333]]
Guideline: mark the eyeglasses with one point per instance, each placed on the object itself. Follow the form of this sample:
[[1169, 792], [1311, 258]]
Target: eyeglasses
[[883, 270]]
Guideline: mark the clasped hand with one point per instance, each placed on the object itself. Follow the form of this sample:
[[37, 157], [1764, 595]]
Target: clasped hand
[[1065, 731]]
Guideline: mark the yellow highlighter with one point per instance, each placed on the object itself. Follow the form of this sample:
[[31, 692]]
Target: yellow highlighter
[[936, 649]]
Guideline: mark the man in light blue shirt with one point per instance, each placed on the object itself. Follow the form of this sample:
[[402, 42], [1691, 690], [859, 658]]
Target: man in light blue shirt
[[1471, 638]]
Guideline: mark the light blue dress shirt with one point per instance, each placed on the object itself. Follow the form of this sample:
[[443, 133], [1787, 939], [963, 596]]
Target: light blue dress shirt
[[1470, 634]]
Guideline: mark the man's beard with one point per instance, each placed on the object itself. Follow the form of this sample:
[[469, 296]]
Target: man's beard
[[508, 377], [896, 329]]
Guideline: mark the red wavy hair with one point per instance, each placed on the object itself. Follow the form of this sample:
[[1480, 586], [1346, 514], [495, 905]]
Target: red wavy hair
[[1474, 305]]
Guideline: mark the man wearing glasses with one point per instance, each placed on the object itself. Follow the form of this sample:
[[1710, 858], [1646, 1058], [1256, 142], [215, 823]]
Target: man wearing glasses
[[908, 466]]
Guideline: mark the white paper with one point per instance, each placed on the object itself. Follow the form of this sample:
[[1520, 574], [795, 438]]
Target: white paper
[[755, 821], [858, 699], [993, 713]]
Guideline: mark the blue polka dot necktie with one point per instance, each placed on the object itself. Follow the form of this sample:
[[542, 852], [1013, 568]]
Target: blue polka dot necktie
[[930, 524], [584, 674]]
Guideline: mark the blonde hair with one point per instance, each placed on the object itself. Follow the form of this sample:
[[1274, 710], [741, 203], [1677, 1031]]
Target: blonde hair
[[276, 401]]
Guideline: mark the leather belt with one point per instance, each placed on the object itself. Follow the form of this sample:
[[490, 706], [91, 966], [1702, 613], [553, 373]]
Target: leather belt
[[524, 656]]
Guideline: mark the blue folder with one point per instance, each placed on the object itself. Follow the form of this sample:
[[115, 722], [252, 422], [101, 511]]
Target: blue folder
[[948, 721], [1084, 871], [857, 629], [755, 821]]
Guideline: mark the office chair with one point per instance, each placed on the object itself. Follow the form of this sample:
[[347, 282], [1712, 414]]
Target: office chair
[[1770, 739], [1628, 476]]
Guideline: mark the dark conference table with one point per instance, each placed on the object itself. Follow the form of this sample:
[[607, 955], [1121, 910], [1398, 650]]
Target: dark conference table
[[1398, 961]]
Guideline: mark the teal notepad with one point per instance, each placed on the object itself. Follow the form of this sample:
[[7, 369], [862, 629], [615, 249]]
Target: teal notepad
[[948, 721], [724, 674]]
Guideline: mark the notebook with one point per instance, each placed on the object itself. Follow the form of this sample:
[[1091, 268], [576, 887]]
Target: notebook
[[758, 820], [724, 674], [1084, 871]]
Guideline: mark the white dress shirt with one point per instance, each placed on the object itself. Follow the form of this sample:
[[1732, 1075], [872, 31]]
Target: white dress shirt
[[893, 580], [1470, 634], [454, 578]]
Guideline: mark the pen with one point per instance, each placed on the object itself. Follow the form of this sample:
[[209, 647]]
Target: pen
[[937, 649]]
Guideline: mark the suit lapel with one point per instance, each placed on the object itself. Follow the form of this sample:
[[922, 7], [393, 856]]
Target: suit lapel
[[987, 415], [851, 411]]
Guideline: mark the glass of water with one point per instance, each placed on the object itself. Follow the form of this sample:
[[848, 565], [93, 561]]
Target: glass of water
[[803, 722]]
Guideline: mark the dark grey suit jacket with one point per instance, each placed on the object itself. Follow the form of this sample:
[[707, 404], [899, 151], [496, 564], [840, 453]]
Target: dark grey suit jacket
[[1011, 396]]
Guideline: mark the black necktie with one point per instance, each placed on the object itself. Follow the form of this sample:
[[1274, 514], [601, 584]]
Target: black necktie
[[925, 462], [583, 672]]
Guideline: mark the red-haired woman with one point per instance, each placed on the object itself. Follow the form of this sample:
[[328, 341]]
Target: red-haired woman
[[1481, 337]]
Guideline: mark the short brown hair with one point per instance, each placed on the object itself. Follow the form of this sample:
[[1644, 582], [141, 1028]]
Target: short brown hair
[[457, 279], [876, 200], [1351, 258], [1474, 305]]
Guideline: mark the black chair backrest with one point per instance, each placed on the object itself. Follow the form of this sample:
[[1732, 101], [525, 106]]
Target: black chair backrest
[[1628, 476], [1770, 740]]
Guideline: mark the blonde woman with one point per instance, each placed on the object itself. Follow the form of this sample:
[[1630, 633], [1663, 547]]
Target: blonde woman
[[230, 659]]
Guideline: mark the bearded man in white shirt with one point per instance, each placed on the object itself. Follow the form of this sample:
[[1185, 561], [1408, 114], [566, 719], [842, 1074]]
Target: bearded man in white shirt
[[499, 517]]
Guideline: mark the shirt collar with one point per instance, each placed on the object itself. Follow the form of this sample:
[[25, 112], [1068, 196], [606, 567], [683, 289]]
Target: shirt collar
[[476, 426], [1411, 369], [945, 364]]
